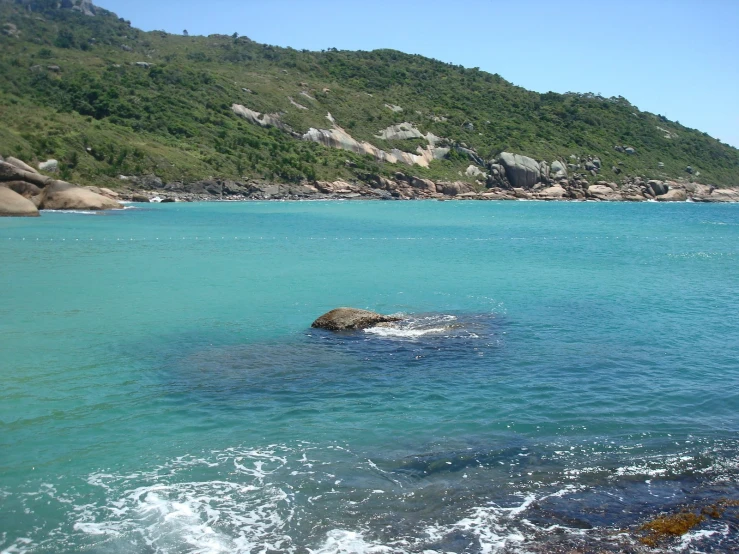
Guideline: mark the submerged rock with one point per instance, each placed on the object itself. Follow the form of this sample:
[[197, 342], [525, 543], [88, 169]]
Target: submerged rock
[[347, 319]]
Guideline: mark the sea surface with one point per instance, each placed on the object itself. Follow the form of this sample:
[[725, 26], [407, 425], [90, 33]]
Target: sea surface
[[566, 373]]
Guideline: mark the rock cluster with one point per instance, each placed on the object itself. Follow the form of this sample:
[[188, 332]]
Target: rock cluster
[[24, 191]]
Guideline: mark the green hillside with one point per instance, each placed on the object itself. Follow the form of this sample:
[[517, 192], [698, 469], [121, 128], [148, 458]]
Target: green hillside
[[72, 90]]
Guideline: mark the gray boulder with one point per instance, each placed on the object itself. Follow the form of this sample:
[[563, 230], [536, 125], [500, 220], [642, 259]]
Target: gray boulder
[[658, 188], [522, 171], [558, 170], [13, 204], [51, 166], [349, 319]]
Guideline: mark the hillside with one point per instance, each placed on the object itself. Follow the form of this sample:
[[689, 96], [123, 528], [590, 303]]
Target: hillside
[[105, 99]]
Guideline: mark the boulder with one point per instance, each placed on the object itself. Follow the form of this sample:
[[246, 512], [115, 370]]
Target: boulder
[[65, 196], [673, 195], [423, 184], [522, 171], [475, 172], [603, 192], [51, 166], [658, 187], [631, 151], [558, 170], [15, 162], [139, 198], [553, 193], [453, 189], [13, 204], [25, 189], [348, 319]]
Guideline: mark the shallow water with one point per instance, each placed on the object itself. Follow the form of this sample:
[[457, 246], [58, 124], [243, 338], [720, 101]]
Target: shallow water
[[567, 371]]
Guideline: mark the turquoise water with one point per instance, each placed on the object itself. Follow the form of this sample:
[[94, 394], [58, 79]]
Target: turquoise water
[[568, 370]]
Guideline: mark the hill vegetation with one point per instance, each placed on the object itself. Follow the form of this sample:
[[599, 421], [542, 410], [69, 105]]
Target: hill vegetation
[[106, 99]]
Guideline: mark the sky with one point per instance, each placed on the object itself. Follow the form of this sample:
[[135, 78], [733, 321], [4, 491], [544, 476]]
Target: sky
[[678, 58]]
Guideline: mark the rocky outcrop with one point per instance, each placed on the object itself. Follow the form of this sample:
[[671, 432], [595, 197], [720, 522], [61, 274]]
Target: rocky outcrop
[[521, 171], [13, 204], [65, 196], [719, 195], [402, 131], [336, 137], [263, 120], [83, 6], [674, 195], [349, 319]]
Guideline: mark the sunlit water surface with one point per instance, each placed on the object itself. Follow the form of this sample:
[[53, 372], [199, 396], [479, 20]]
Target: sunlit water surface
[[567, 371]]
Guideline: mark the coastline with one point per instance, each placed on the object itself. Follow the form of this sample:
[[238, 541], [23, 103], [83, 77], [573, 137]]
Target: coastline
[[153, 190]]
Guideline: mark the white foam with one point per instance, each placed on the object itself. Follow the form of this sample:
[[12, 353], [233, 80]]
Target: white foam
[[80, 212], [404, 333], [416, 327], [339, 541]]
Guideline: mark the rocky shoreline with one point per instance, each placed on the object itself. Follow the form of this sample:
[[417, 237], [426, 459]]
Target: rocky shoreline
[[402, 187], [24, 190]]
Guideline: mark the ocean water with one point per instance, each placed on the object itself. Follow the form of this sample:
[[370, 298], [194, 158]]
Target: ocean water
[[567, 371]]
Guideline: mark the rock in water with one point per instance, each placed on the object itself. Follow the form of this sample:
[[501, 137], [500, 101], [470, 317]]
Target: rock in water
[[347, 319], [13, 204], [65, 196]]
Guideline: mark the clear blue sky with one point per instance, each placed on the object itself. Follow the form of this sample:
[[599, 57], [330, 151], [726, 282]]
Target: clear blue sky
[[678, 58]]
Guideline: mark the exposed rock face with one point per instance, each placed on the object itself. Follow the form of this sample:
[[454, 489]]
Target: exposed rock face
[[339, 138], [263, 120], [348, 319], [13, 204], [84, 6], [522, 171], [401, 131], [65, 196]]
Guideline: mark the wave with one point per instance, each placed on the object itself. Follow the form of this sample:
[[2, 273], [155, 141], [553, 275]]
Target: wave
[[414, 327], [80, 212]]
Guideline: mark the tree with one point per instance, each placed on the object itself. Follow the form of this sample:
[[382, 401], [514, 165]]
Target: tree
[[185, 33]]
